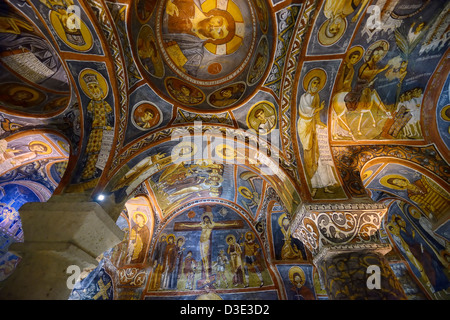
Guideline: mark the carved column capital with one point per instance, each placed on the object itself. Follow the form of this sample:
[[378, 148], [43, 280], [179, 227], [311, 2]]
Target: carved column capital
[[340, 225], [68, 230], [344, 241]]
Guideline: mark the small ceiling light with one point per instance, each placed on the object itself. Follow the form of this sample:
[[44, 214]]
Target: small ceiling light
[[100, 197]]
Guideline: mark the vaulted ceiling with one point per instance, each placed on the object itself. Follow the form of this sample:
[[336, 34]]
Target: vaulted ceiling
[[286, 101]]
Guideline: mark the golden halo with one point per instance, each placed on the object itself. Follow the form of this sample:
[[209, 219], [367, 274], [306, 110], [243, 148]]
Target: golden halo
[[162, 235], [101, 82], [281, 218], [176, 150], [355, 49], [169, 236], [320, 73], [49, 149], [366, 174], [245, 188], [208, 214], [326, 40], [36, 94], [221, 147], [214, 180], [445, 113], [230, 236], [384, 181], [64, 146], [269, 110], [230, 45], [141, 213], [84, 30], [251, 233], [414, 212], [298, 270], [380, 43]]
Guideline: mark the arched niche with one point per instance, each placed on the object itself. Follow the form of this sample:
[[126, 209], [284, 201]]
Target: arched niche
[[33, 79], [197, 254], [214, 155], [412, 184], [32, 164]]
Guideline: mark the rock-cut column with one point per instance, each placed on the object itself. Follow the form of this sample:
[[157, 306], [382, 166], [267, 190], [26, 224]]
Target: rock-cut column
[[67, 231], [344, 241]]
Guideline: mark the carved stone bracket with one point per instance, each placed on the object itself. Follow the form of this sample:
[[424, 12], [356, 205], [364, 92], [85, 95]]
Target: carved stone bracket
[[342, 225], [344, 241]]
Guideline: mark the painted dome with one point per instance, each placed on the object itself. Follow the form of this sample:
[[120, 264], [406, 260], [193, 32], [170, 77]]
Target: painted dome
[[205, 54], [32, 78]]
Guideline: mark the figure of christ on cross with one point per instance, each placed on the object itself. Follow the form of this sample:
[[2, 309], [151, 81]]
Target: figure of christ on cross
[[207, 225]]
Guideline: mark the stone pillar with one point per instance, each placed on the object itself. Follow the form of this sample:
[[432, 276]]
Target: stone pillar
[[344, 241], [67, 230]]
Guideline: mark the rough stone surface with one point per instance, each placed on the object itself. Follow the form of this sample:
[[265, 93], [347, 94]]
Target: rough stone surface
[[345, 277]]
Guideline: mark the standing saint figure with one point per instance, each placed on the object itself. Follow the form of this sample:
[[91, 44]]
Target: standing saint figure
[[417, 254], [319, 173], [298, 288], [190, 266], [158, 263], [252, 251], [292, 248], [235, 252], [220, 264], [139, 238], [344, 82], [170, 264], [99, 109]]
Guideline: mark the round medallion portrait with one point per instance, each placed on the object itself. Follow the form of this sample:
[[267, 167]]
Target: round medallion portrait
[[262, 117], [71, 30], [16, 96], [227, 96], [146, 116], [183, 92]]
